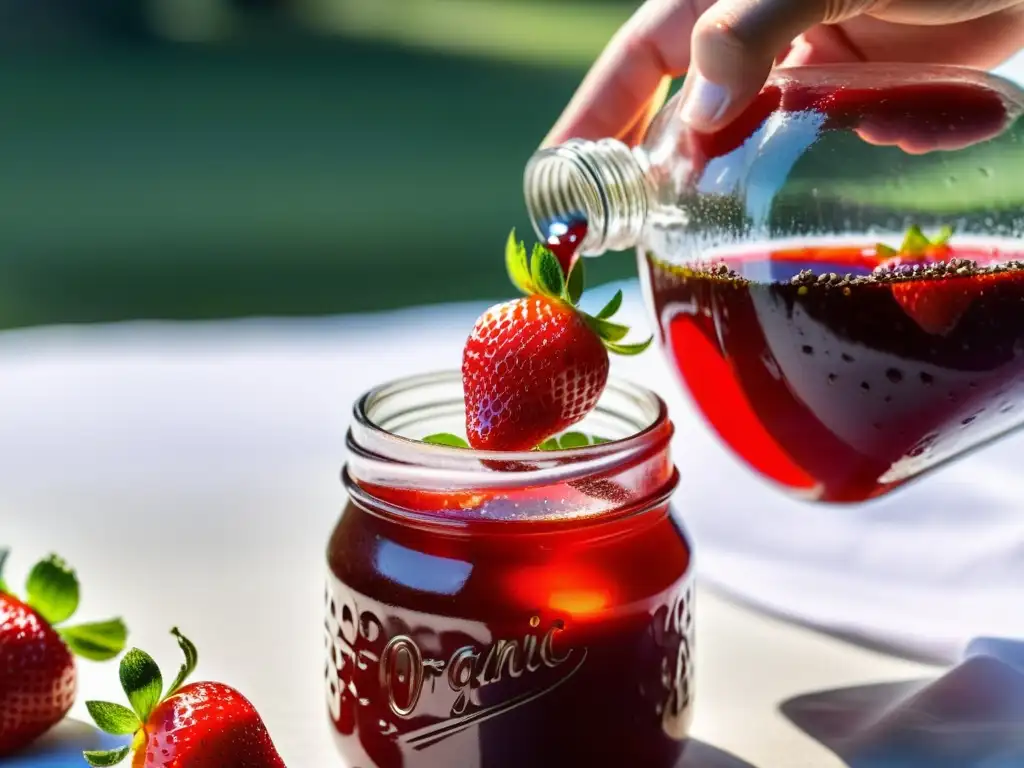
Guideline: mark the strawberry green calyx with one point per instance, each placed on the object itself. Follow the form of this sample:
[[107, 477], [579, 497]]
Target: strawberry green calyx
[[542, 274], [447, 439], [571, 440], [142, 683], [52, 590], [561, 443], [916, 243]]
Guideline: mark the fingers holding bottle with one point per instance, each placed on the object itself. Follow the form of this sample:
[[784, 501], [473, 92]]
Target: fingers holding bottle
[[727, 50], [735, 44], [627, 84]]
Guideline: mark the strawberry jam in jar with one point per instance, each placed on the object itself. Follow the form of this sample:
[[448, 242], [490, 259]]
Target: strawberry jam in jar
[[501, 610]]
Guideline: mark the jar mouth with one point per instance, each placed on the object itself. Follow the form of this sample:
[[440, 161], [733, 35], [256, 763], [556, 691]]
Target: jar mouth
[[385, 444]]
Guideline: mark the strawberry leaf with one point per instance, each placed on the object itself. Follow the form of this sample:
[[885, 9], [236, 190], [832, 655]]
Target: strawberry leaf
[[106, 757], [606, 329], [115, 719], [52, 590], [98, 641], [629, 349], [547, 272], [611, 307], [517, 265], [574, 285], [188, 648], [3, 559], [914, 241], [141, 681], [446, 438], [573, 440]]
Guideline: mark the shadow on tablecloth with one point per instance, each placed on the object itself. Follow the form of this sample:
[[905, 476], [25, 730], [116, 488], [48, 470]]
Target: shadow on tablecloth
[[701, 755], [968, 718], [63, 746]]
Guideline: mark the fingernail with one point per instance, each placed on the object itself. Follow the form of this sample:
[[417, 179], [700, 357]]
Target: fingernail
[[705, 102]]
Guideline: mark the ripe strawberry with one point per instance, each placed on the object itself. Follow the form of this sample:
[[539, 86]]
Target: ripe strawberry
[[38, 678], [534, 366], [936, 304], [200, 725]]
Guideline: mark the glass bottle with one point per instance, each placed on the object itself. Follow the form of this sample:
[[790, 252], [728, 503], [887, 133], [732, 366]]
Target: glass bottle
[[761, 250]]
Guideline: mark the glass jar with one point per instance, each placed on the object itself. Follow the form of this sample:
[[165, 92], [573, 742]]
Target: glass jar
[[796, 266], [493, 610]]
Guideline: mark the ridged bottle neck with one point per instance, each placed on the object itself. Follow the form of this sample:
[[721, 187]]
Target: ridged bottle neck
[[603, 182]]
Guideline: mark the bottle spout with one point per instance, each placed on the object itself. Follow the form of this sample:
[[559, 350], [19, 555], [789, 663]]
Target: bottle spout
[[600, 182]]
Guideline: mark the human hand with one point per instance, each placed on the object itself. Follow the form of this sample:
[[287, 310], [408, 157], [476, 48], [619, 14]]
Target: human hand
[[728, 49]]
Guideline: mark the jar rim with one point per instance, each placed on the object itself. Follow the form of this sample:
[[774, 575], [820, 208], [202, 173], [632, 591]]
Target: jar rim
[[377, 454]]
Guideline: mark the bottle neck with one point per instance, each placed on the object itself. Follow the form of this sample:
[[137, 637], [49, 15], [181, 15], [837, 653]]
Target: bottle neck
[[602, 182]]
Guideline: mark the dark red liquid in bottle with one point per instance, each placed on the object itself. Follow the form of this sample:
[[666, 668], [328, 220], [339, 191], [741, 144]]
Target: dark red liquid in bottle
[[843, 388], [918, 117]]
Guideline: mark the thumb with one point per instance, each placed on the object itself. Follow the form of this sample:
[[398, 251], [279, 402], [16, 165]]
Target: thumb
[[735, 44]]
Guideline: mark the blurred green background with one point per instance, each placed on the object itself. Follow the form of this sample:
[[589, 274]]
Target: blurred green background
[[219, 158], [193, 159]]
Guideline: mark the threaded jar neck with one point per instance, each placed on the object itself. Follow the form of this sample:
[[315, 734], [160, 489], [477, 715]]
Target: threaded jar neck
[[602, 182]]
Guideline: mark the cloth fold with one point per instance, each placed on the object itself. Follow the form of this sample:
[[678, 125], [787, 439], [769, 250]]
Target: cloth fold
[[968, 717]]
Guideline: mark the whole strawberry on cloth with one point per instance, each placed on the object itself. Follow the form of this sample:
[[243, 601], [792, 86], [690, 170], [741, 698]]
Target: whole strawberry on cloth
[[535, 366], [38, 676], [191, 725]]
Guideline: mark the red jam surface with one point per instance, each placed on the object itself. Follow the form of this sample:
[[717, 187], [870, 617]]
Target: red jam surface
[[839, 384]]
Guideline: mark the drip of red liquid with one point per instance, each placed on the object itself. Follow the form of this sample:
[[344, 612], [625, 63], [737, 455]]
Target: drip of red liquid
[[565, 239]]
